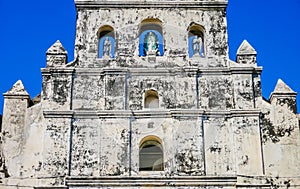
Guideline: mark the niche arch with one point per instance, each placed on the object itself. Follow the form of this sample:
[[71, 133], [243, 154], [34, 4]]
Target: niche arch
[[151, 38], [196, 40], [151, 154], [106, 42], [151, 99]]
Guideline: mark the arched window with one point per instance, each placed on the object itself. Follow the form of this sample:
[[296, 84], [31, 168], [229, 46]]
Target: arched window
[[151, 154], [106, 43], [150, 38], [151, 99], [196, 40]]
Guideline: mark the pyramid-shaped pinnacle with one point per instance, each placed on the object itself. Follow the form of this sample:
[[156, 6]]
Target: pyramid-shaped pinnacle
[[57, 48], [281, 87], [17, 89], [246, 49]]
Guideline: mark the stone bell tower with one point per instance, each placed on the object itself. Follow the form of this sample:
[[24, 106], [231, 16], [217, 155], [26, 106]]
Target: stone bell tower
[[151, 100]]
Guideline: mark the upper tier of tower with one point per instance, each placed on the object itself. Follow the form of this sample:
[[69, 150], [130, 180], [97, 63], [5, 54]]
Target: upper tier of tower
[[151, 33]]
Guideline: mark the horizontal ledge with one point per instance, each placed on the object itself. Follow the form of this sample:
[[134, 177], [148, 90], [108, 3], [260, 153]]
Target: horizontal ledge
[[237, 113], [152, 181], [138, 114], [50, 187], [168, 71], [282, 94], [57, 70], [262, 186], [16, 96], [150, 4], [148, 113], [58, 114], [257, 69]]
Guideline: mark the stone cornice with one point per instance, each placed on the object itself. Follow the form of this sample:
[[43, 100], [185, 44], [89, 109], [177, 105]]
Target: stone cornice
[[58, 114], [153, 181], [232, 113], [250, 113], [150, 4], [149, 113], [57, 70], [50, 187], [164, 71], [245, 70], [115, 71], [16, 96], [282, 95]]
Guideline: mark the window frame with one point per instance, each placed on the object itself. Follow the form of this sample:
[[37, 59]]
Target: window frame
[[159, 156]]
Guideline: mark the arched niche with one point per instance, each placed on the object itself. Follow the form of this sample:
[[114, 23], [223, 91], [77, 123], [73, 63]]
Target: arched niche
[[151, 38], [151, 99], [196, 45], [106, 42]]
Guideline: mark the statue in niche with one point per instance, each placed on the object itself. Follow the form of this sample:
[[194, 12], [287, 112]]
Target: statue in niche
[[107, 47], [197, 46], [151, 44]]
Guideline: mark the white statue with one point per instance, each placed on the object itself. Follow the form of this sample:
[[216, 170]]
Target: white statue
[[107, 47], [197, 45], [151, 44]]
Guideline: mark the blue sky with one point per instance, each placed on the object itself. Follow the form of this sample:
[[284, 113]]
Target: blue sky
[[29, 28]]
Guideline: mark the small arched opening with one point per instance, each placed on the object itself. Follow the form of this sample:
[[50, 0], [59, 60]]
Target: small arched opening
[[106, 42], [151, 99], [150, 38], [196, 40], [151, 154]]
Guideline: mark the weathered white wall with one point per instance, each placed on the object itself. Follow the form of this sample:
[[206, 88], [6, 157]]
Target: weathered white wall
[[215, 128], [126, 23]]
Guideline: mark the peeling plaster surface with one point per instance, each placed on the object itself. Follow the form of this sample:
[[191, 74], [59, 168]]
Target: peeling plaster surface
[[88, 126]]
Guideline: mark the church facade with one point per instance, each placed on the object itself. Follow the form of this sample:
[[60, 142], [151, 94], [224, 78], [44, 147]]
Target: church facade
[[151, 100]]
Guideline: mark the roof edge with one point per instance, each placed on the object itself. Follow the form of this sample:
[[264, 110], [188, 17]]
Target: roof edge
[[150, 4]]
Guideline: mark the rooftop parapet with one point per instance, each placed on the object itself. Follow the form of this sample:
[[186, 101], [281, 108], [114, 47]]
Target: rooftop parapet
[[151, 3]]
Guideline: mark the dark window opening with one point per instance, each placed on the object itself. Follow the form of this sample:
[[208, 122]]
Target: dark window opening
[[151, 156]]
